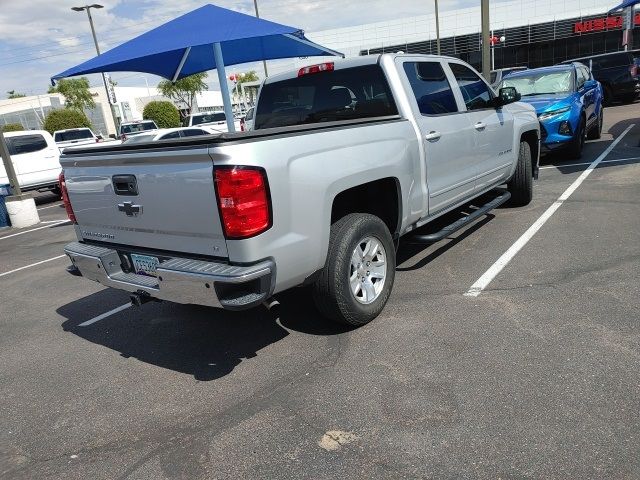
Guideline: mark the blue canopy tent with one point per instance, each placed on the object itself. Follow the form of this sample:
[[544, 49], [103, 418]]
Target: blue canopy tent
[[207, 38], [625, 4]]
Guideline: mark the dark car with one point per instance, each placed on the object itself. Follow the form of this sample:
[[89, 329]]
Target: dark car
[[618, 74]]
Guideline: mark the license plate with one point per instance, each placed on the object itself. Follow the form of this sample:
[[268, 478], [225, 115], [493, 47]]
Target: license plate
[[145, 264]]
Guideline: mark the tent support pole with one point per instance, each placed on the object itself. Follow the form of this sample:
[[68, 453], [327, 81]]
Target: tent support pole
[[224, 88]]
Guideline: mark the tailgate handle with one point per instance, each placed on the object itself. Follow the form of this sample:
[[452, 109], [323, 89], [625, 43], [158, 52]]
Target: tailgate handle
[[125, 185]]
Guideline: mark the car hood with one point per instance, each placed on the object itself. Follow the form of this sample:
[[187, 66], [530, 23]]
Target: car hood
[[545, 102]]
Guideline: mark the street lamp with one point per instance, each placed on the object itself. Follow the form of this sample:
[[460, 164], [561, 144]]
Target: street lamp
[[95, 41], [437, 28]]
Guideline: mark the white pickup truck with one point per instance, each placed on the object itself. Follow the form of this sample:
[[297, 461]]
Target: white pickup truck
[[36, 160], [345, 159]]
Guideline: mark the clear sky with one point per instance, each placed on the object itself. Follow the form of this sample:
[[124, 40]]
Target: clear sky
[[42, 37]]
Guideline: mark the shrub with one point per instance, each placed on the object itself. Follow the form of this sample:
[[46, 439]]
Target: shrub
[[164, 113], [65, 118], [12, 127]]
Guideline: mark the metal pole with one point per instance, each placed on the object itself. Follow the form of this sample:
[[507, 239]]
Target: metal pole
[[437, 29], [114, 117], [224, 88], [493, 53], [264, 62], [8, 166], [486, 61]]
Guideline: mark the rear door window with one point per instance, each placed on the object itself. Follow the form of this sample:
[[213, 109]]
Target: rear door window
[[175, 134], [431, 88], [346, 94], [26, 144], [208, 118], [194, 132], [476, 93]]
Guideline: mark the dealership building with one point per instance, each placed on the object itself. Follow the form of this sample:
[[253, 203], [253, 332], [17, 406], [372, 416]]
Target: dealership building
[[535, 33]]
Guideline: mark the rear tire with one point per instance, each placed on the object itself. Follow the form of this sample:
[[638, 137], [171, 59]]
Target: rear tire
[[596, 130], [521, 184], [575, 147], [348, 294]]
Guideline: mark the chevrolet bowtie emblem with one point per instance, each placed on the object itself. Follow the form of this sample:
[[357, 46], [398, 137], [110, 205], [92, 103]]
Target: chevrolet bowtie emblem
[[130, 209]]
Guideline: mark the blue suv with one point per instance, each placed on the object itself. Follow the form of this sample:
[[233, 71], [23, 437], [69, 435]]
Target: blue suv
[[568, 102]]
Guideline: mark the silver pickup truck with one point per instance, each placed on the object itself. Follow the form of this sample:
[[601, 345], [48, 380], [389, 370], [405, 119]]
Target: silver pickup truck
[[345, 159]]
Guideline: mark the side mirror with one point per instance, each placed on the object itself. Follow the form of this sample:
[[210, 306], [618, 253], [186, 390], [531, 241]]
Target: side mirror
[[99, 137], [590, 84], [508, 95], [113, 135]]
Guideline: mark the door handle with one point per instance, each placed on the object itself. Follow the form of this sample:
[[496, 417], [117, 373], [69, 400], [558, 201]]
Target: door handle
[[479, 126], [433, 135]]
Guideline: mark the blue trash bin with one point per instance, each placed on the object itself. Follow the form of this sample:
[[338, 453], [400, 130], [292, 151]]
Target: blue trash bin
[[5, 191]]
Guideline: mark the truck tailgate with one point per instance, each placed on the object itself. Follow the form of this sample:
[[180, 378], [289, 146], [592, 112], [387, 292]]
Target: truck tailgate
[[156, 198]]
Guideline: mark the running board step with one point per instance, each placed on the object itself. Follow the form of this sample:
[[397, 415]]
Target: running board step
[[462, 222]]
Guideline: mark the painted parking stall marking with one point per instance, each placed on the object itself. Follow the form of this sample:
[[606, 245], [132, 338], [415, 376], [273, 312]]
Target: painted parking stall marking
[[507, 256], [614, 160], [31, 265], [56, 222], [105, 315]]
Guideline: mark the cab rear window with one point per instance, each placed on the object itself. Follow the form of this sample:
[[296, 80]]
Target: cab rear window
[[346, 94], [26, 144]]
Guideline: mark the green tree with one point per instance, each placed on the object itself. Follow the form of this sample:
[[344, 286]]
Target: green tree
[[75, 92], [185, 89], [14, 94], [164, 113], [12, 127], [250, 76], [65, 118]]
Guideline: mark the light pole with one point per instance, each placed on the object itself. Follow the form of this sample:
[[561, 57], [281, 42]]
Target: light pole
[[264, 62], [95, 41], [486, 60], [437, 29]]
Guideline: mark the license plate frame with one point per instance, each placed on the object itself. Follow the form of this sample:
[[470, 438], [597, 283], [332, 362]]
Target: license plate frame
[[145, 264]]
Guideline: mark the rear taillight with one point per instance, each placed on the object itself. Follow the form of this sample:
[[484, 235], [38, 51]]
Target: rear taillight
[[65, 198], [321, 67], [242, 124], [633, 70], [243, 198]]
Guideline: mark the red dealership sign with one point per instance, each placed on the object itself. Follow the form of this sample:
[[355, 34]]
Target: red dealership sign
[[599, 24]]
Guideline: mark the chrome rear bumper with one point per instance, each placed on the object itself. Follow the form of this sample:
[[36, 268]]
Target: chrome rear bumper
[[179, 280]]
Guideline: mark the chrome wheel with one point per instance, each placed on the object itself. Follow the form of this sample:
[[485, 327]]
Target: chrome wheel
[[368, 270]]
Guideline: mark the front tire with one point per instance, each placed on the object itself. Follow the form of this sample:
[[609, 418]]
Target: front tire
[[596, 131], [521, 184], [358, 276], [575, 147]]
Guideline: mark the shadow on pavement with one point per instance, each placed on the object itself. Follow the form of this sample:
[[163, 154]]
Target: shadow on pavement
[[204, 342]]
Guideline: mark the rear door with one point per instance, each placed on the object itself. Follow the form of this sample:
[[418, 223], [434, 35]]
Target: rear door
[[158, 198], [446, 132], [493, 127], [588, 93]]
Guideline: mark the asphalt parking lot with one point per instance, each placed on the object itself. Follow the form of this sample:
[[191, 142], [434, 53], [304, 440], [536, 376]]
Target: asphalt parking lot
[[535, 377]]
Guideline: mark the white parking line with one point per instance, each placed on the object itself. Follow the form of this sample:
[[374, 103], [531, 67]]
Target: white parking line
[[32, 265], [50, 206], [53, 221], [589, 163], [506, 257], [105, 315], [57, 222]]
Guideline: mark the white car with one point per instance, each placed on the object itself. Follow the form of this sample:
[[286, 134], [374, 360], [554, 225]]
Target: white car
[[246, 122], [74, 137], [36, 160], [168, 133], [218, 120], [130, 129]]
